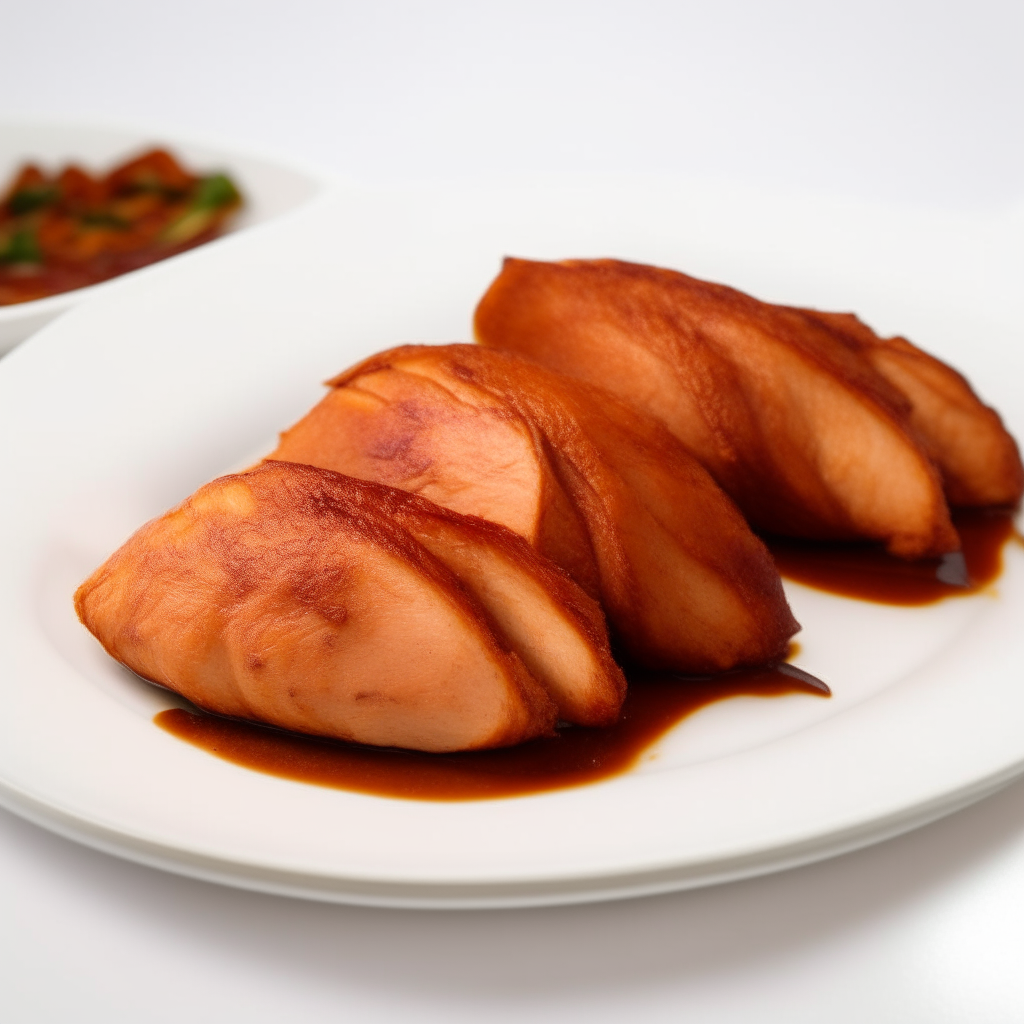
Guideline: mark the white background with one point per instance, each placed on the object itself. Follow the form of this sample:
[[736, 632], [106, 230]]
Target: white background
[[899, 102]]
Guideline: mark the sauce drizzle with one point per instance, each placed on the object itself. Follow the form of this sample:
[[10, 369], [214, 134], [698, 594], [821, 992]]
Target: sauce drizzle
[[575, 757], [866, 572]]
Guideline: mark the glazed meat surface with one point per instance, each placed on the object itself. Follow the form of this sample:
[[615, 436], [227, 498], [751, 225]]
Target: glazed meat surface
[[977, 458], [605, 493], [816, 427], [337, 607]]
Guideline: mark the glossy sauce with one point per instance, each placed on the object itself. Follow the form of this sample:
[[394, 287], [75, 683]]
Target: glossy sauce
[[867, 572], [574, 757]]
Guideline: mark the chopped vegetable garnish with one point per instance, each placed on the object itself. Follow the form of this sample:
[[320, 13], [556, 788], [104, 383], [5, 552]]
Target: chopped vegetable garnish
[[216, 191], [67, 230], [25, 200], [21, 247]]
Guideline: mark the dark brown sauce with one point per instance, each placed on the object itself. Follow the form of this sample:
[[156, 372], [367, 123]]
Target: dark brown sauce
[[867, 572], [575, 757]]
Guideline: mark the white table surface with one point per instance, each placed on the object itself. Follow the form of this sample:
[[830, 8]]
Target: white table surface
[[901, 102]]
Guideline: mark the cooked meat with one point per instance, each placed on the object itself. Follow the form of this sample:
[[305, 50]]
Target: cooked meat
[[326, 605], [811, 429], [605, 493], [977, 458]]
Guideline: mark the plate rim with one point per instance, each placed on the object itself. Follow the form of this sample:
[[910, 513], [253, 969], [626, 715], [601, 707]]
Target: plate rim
[[494, 895]]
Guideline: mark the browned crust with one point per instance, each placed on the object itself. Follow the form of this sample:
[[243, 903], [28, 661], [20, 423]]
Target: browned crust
[[327, 502], [979, 460], [554, 406], [673, 319], [403, 508]]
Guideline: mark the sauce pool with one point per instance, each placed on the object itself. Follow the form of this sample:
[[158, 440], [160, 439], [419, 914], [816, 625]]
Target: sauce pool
[[866, 572], [576, 756]]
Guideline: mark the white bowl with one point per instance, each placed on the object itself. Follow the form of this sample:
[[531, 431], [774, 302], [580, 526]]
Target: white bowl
[[271, 188]]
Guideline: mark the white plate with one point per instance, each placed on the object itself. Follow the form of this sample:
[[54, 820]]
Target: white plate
[[132, 400], [270, 187]]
